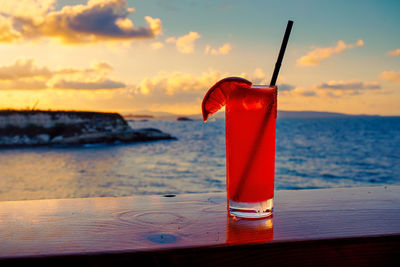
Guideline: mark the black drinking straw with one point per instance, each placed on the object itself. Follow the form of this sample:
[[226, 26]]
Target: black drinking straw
[[264, 123], [281, 53]]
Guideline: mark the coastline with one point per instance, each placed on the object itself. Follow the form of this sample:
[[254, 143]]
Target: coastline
[[22, 128]]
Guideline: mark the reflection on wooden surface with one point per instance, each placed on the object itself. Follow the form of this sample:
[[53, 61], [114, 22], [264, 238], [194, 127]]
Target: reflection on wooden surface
[[253, 231]]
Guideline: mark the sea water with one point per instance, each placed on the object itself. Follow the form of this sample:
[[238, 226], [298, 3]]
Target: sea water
[[310, 153]]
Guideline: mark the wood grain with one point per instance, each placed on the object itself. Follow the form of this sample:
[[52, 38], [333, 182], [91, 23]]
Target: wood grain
[[353, 224]]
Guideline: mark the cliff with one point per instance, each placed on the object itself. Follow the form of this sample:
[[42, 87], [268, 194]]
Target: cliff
[[34, 128]]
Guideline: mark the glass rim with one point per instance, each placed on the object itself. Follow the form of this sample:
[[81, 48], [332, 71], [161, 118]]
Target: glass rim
[[263, 86]]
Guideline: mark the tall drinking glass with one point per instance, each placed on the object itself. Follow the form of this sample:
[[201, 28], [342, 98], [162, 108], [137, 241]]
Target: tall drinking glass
[[250, 139], [250, 150]]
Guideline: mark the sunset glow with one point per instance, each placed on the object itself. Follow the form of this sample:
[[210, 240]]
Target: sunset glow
[[131, 56]]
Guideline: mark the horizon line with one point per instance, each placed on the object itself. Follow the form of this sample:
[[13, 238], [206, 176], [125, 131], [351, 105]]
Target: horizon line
[[166, 114]]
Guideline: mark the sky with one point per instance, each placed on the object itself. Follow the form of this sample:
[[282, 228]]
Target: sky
[[163, 55]]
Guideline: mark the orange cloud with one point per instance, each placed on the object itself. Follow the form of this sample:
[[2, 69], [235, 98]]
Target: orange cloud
[[30, 84], [26, 75], [319, 54], [98, 20], [22, 68], [185, 44], [7, 32], [223, 50], [394, 53], [392, 76], [177, 82]]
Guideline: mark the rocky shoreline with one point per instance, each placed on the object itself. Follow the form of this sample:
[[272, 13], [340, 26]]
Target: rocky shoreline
[[66, 128]]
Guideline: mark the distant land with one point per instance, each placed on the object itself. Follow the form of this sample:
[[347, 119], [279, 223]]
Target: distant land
[[138, 116], [317, 114], [20, 128], [221, 114]]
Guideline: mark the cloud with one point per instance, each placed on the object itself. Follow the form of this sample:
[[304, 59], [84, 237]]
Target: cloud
[[319, 54], [394, 53], [167, 83], [285, 87], [22, 68], [223, 50], [102, 67], [90, 85], [157, 45], [24, 74], [176, 83], [7, 33], [341, 88], [184, 44], [31, 84], [308, 93], [93, 78], [392, 76], [97, 68], [295, 92], [98, 20], [20, 8], [348, 85]]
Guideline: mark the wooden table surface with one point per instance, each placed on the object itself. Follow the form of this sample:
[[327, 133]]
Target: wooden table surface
[[349, 225]]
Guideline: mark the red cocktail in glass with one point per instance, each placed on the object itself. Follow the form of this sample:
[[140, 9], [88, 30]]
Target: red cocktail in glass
[[250, 150], [250, 143], [250, 139]]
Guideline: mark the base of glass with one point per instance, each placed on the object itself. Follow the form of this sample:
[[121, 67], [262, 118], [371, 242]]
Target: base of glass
[[251, 210]]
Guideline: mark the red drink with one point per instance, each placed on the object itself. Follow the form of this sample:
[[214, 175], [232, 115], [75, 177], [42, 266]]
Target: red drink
[[250, 147], [250, 139], [250, 143]]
